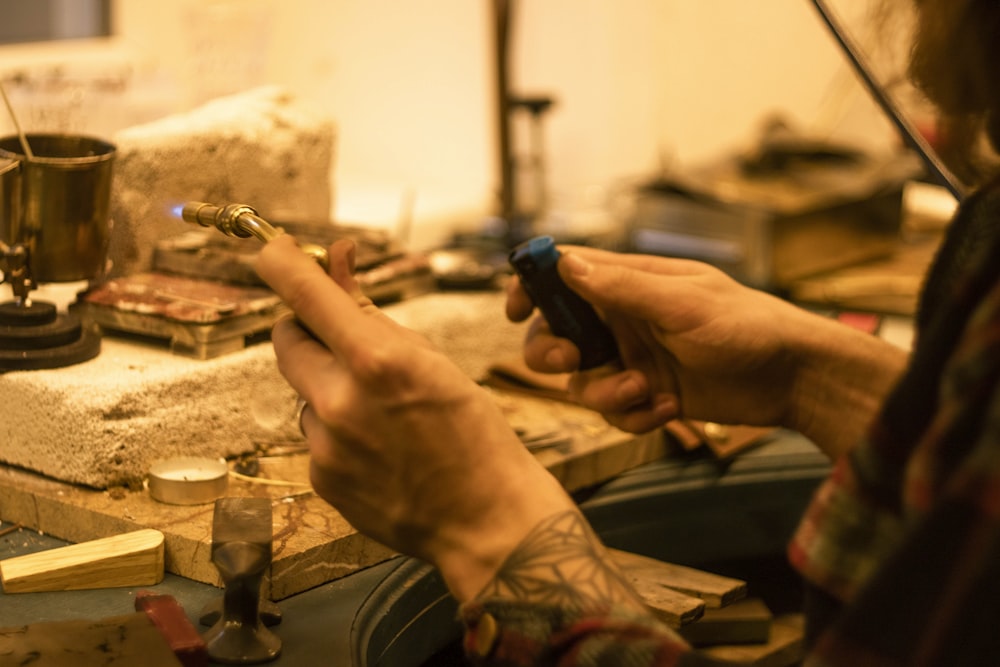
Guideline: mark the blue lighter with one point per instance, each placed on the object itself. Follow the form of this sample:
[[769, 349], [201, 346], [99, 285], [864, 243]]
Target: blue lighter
[[568, 314]]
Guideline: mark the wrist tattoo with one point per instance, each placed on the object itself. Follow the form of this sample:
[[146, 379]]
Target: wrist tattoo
[[562, 563]]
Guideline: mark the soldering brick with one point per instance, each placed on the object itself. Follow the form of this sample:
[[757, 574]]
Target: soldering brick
[[102, 423], [264, 147]]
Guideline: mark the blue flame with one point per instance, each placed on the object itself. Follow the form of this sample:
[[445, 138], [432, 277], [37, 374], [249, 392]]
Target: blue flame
[[178, 210]]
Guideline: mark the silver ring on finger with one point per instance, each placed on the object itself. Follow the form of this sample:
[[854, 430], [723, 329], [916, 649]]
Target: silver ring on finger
[[300, 408]]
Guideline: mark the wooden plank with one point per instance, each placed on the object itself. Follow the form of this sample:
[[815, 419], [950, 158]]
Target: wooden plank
[[130, 559], [890, 285], [313, 543], [716, 590], [746, 621], [119, 641], [785, 647], [673, 608]]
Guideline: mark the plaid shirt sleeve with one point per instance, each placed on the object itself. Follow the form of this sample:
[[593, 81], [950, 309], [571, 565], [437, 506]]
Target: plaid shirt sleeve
[[906, 532]]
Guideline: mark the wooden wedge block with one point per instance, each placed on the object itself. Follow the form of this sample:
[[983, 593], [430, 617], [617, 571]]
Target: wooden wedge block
[[130, 559], [746, 621], [716, 590]]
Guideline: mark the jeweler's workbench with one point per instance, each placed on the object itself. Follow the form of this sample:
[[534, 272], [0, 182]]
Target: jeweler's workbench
[[398, 613], [313, 544]]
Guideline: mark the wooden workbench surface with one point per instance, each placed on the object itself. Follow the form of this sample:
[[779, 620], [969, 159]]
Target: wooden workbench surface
[[313, 544]]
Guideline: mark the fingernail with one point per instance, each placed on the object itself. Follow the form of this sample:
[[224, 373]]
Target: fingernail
[[665, 406], [629, 390], [555, 358], [351, 256], [576, 264]]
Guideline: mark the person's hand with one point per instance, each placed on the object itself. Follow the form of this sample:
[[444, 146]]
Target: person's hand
[[692, 342], [410, 450], [696, 343]]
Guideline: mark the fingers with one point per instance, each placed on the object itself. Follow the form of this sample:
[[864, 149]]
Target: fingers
[[666, 266], [608, 389], [332, 314], [622, 288], [301, 358], [654, 289], [624, 398], [547, 353], [519, 305], [646, 417], [543, 351], [342, 255]]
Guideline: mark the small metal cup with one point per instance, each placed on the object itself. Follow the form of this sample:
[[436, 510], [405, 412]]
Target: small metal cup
[[57, 203]]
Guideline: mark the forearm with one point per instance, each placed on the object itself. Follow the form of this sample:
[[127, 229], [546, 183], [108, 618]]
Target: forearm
[[473, 542], [841, 380], [559, 599], [562, 562]]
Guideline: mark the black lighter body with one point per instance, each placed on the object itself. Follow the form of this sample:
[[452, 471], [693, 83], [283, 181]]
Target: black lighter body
[[568, 314]]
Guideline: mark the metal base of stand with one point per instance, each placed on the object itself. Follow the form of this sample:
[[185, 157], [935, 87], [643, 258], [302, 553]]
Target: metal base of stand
[[37, 336]]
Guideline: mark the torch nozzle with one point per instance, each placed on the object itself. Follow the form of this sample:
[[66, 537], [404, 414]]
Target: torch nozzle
[[237, 220], [242, 221]]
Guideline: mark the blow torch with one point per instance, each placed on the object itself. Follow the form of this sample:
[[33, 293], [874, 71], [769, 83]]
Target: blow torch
[[242, 221]]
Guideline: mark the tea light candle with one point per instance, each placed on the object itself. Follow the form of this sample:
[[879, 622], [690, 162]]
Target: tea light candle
[[188, 480]]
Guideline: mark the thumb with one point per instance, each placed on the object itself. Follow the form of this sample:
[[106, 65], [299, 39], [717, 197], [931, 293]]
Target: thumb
[[614, 287], [342, 258]]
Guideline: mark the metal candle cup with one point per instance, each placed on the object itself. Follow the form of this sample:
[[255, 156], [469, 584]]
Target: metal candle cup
[[188, 480], [58, 204]]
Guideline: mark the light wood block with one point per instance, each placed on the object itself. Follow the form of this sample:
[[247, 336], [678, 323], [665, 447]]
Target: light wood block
[[716, 590], [130, 559]]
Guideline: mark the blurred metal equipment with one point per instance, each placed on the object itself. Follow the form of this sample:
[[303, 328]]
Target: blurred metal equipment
[[790, 208], [517, 215], [534, 164], [54, 227], [502, 11]]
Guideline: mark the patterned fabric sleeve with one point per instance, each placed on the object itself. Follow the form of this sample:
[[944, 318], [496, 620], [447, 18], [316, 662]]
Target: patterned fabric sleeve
[[516, 634], [906, 533]]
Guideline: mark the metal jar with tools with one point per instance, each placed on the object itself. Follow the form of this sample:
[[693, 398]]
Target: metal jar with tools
[[57, 203]]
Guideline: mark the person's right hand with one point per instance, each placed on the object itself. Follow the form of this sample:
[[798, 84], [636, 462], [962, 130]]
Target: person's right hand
[[408, 448], [696, 343]]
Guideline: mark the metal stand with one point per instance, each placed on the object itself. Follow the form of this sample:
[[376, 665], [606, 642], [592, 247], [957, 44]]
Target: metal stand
[[35, 336], [241, 551]]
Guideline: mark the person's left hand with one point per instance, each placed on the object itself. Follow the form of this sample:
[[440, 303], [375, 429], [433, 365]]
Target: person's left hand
[[409, 449]]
